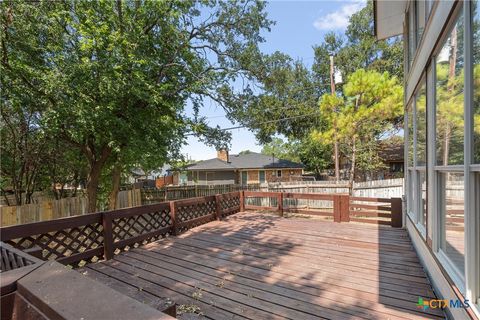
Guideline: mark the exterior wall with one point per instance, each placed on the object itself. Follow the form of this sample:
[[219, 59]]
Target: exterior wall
[[211, 177]]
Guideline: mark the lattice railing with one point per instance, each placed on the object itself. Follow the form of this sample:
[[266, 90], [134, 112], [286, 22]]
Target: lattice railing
[[194, 212], [134, 227], [82, 239], [229, 203]]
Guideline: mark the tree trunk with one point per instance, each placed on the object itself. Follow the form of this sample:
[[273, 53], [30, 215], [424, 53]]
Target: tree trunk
[[352, 167], [446, 143], [93, 178], [116, 175], [92, 186]]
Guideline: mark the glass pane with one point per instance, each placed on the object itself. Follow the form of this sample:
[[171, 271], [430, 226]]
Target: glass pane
[[449, 98], [476, 81], [261, 176], [422, 206], [421, 114], [411, 194], [411, 33], [421, 16], [452, 195], [410, 135]]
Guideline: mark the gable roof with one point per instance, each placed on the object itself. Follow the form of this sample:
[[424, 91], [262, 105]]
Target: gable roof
[[245, 161]]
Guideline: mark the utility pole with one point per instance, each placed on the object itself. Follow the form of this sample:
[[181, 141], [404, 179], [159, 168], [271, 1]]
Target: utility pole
[[332, 86]]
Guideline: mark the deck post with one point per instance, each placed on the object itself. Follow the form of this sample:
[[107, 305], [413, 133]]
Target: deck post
[[396, 207], [280, 203], [242, 200], [345, 208], [173, 217], [218, 204], [337, 208], [107, 236]]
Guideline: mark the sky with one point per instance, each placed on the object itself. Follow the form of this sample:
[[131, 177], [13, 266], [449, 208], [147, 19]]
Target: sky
[[299, 26]]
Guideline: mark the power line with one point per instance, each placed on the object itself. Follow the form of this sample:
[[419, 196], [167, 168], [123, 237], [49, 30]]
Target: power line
[[265, 122]]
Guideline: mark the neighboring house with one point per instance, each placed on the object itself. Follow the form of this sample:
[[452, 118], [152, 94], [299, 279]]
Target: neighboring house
[[392, 155], [242, 169], [442, 134], [141, 179]]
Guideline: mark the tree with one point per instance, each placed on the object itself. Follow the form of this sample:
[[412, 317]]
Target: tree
[[112, 78], [371, 104], [281, 149], [286, 104], [245, 152], [358, 50]]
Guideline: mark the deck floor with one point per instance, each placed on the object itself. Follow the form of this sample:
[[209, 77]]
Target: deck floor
[[260, 266]]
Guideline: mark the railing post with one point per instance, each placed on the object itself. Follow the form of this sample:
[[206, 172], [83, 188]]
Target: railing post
[[337, 209], [173, 217], [345, 208], [242, 201], [218, 203], [396, 207], [107, 236], [280, 203]]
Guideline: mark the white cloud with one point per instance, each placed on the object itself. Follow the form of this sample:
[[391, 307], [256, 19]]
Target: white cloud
[[338, 19]]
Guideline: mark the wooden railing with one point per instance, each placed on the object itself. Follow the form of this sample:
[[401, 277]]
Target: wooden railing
[[343, 208], [77, 240]]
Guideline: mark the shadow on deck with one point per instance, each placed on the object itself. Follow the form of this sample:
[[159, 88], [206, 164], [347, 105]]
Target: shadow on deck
[[260, 266]]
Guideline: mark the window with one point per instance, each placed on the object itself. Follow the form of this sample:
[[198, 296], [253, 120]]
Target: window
[[410, 134], [279, 173], [476, 80], [244, 177], [410, 158], [449, 149], [421, 16], [417, 155], [422, 196], [261, 176], [411, 33], [449, 98], [452, 214], [421, 125]]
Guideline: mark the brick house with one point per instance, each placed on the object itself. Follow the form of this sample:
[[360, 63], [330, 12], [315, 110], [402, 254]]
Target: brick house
[[243, 169]]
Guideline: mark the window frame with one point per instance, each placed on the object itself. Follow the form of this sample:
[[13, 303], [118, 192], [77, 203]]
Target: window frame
[[264, 176]]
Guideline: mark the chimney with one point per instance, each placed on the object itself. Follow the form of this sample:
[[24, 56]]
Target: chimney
[[222, 154]]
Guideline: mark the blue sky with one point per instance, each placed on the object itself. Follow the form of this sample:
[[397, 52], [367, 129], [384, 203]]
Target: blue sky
[[299, 26]]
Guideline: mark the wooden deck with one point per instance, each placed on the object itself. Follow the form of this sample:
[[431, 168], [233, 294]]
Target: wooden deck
[[260, 266]]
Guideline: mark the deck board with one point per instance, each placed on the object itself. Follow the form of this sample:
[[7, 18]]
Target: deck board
[[259, 266]]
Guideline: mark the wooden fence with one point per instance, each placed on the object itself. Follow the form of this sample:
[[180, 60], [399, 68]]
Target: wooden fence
[[184, 192], [50, 209]]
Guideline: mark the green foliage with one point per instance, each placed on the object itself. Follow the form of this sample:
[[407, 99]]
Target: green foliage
[[359, 49], [112, 78], [371, 105], [314, 154], [287, 94], [281, 149], [245, 152]]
